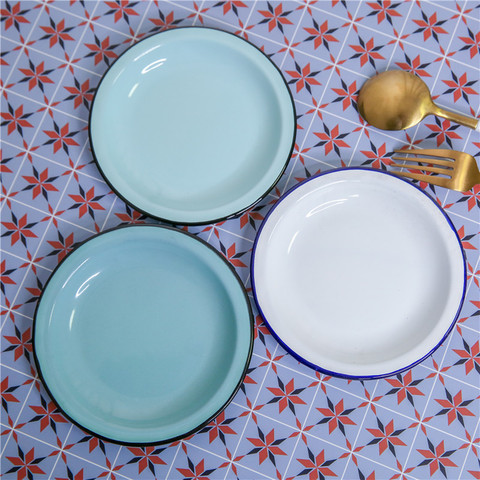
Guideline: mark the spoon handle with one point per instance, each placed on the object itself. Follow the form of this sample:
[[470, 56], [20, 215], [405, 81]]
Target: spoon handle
[[464, 120]]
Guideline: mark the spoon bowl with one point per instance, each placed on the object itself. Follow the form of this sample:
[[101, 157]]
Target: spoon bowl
[[396, 100]]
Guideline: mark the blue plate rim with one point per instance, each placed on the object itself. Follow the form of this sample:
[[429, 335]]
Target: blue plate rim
[[214, 415], [331, 372], [205, 222]]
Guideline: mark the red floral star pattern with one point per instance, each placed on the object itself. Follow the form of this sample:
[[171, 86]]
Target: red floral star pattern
[[25, 465], [437, 458], [13, 15], [286, 420], [275, 16], [430, 26]]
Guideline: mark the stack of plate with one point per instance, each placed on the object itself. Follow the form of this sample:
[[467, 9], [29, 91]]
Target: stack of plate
[[144, 333]]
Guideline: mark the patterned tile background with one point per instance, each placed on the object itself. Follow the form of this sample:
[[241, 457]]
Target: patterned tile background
[[286, 422]]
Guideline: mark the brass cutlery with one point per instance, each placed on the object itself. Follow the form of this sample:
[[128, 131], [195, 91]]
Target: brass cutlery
[[456, 170], [396, 100]]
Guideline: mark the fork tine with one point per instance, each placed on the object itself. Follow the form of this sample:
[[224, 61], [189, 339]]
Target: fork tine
[[433, 161], [433, 152], [438, 181], [443, 171]]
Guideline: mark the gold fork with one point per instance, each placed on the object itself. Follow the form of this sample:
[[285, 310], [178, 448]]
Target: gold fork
[[460, 169]]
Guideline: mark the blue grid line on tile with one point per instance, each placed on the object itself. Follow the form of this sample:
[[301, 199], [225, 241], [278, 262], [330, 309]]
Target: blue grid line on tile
[[470, 283], [224, 458], [326, 441], [373, 402], [458, 215], [474, 436], [15, 422], [60, 452], [15, 201], [68, 453], [113, 465], [300, 430], [449, 376], [296, 429], [48, 159], [216, 19], [317, 7], [173, 462], [365, 126], [9, 309], [102, 228], [442, 5], [322, 162], [254, 403], [328, 62], [243, 29], [16, 313], [468, 450], [407, 17], [392, 37], [292, 40], [42, 104], [62, 60], [44, 116], [272, 40], [23, 46], [9, 367], [318, 106], [140, 25], [470, 328], [235, 234], [247, 20], [93, 22], [354, 149], [200, 8], [221, 21], [25, 260], [335, 115], [360, 427], [319, 58], [312, 377]]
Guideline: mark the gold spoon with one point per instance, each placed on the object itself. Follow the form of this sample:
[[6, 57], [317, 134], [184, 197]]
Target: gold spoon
[[396, 100]]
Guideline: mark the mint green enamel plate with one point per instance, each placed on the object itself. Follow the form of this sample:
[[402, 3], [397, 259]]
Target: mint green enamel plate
[[143, 334], [192, 125]]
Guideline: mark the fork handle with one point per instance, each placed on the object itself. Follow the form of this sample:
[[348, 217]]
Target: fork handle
[[464, 120]]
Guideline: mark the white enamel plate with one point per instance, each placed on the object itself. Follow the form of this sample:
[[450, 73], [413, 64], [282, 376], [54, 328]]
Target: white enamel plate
[[358, 273]]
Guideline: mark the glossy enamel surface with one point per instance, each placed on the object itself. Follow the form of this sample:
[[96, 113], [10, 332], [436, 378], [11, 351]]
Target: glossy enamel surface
[[192, 125], [143, 334], [358, 273]]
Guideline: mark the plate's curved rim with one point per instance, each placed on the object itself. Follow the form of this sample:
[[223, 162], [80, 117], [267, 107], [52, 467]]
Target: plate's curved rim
[[208, 420], [325, 370], [213, 220]]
